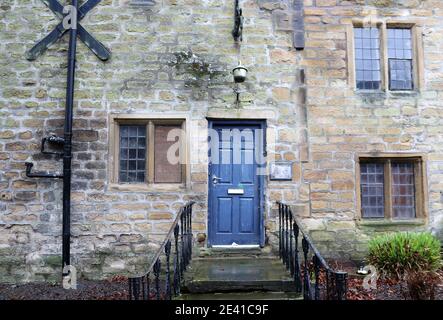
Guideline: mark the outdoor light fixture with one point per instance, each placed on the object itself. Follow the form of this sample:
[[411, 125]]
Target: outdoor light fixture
[[239, 73]]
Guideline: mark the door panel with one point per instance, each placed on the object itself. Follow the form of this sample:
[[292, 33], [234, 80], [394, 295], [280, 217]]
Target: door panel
[[234, 217], [247, 172], [246, 215], [224, 211], [225, 169]]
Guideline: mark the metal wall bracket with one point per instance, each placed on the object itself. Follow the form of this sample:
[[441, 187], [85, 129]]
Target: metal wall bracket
[[237, 93], [57, 8], [102, 53], [237, 32], [52, 139], [30, 174]]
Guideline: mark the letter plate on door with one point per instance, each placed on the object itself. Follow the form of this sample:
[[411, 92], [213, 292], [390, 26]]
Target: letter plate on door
[[236, 191]]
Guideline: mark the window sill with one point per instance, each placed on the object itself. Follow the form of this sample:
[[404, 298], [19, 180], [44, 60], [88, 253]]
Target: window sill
[[387, 222], [383, 93], [369, 91], [403, 93], [159, 187], [370, 96]]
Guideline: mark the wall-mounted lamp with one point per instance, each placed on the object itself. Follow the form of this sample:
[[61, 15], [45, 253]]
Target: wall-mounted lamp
[[240, 72]]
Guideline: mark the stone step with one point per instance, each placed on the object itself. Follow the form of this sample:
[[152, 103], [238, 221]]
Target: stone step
[[236, 252], [209, 286], [237, 274], [254, 295]]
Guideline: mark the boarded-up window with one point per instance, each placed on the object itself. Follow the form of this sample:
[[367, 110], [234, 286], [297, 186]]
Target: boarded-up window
[[167, 166], [391, 188], [150, 152]]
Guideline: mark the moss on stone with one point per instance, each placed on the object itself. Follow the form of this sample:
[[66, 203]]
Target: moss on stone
[[396, 3], [198, 73], [53, 260]]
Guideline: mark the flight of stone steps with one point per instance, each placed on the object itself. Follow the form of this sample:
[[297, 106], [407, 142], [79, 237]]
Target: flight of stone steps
[[234, 274]]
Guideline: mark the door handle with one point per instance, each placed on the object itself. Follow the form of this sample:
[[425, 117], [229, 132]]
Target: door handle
[[215, 179]]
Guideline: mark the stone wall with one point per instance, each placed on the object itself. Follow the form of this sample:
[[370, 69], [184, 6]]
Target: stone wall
[[156, 47], [314, 118], [343, 123]]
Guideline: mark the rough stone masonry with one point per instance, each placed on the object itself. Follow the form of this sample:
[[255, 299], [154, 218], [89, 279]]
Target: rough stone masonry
[[174, 57]]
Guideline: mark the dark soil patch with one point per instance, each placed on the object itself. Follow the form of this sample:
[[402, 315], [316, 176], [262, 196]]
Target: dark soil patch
[[387, 289], [112, 289], [117, 289]]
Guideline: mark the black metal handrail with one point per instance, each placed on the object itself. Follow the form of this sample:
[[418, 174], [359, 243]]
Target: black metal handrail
[[314, 277], [178, 242]]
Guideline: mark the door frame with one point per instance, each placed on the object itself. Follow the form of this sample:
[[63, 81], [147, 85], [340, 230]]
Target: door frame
[[261, 179]]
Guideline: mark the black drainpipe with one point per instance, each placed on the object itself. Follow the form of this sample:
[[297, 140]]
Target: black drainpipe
[[66, 141], [67, 147]]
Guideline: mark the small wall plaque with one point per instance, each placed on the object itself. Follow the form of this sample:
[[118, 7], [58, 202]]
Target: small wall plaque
[[281, 170]]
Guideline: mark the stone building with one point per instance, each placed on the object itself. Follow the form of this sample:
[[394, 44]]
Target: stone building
[[351, 102]]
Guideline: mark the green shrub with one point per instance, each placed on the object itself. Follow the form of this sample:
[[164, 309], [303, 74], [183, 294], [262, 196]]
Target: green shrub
[[410, 257], [398, 253]]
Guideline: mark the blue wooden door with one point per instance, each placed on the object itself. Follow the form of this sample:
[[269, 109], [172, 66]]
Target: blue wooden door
[[234, 186]]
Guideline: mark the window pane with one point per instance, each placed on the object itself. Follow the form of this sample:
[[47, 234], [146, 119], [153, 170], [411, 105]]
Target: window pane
[[372, 189], [400, 59], [367, 55], [400, 74], [132, 167], [403, 190], [167, 166]]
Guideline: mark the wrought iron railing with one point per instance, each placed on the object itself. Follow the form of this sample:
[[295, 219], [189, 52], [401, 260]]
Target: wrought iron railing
[[312, 274], [175, 249]]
